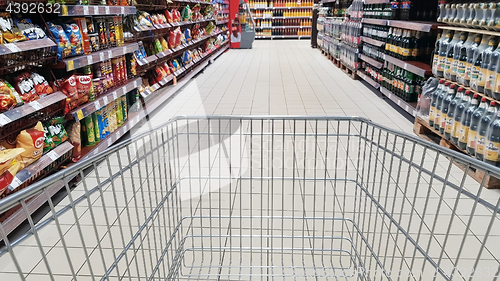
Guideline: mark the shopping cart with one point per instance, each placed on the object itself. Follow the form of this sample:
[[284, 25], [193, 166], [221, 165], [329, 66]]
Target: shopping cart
[[275, 198]]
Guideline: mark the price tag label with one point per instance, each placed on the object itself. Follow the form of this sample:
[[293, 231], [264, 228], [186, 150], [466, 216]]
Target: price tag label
[[109, 142], [12, 47], [53, 155], [107, 10], [70, 65], [96, 10], [136, 83], [97, 105], [95, 152], [399, 102], [406, 66], [64, 11], [86, 10], [4, 120], [79, 114], [105, 99], [101, 56], [110, 54], [16, 182], [90, 60], [36, 105], [115, 96], [122, 10]]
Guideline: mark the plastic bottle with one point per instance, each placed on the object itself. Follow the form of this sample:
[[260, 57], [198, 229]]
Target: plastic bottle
[[443, 47], [492, 149], [472, 14], [470, 59], [439, 105], [459, 113], [435, 94], [450, 121], [481, 58], [465, 15], [449, 55], [445, 107], [483, 129], [474, 126], [491, 73], [456, 57], [435, 60], [466, 121]]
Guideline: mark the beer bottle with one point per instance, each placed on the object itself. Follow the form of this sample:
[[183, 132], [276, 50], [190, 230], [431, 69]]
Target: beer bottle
[[492, 148], [459, 112], [466, 120], [456, 56], [470, 59], [450, 122], [439, 104], [491, 74], [484, 126], [435, 94], [474, 126], [445, 108]]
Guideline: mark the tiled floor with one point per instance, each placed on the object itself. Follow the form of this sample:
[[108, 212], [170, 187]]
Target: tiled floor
[[265, 197]]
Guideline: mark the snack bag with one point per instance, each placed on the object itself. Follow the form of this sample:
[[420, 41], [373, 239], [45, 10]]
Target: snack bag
[[42, 87], [55, 133], [177, 15], [186, 14], [187, 34], [170, 17], [178, 35], [97, 134], [88, 131], [171, 39], [158, 46], [84, 87], [28, 29], [119, 112], [8, 175], [32, 140], [9, 98], [166, 68], [75, 38], [62, 41], [82, 25], [164, 44], [25, 87], [7, 156], [74, 138], [10, 33], [69, 88]]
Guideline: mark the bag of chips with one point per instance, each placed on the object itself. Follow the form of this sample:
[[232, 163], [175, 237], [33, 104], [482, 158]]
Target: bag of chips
[[75, 38], [42, 87], [9, 98], [171, 39], [84, 87], [74, 138], [32, 140], [25, 87], [8, 175], [176, 15], [157, 46], [10, 33], [178, 35], [7, 156], [187, 34], [68, 87], [55, 133], [62, 41]]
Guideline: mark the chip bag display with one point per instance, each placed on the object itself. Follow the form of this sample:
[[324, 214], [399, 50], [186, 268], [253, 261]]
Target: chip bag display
[[75, 38], [25, 87], [164, 44], [8, 175], [32, 140], [74, 138], [62, 41], [9, 98], [187, 34]]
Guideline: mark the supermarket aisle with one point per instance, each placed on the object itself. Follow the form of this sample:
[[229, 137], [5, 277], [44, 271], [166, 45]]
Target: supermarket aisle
[[278, 78]]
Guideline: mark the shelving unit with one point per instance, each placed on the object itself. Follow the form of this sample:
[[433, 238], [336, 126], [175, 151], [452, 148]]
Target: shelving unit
[[89, 10], [371, 41], [416, 67], [371, 61], [283, 37], [368, 79], [408, 107]]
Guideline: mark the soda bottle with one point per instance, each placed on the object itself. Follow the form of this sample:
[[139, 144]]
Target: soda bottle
[[449, 55], [439, 104], [450, 121], [456, 56], [470, 59], [435, 59], [491, 74], [445, 108], [484, 126], [474, 126], [443, 48], [459, 112], [466, 120], [485, 63], [435, 94], [492, 149]]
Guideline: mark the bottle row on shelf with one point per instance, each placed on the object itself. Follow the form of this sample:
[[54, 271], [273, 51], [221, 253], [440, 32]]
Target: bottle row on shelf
[[351, 32], [284, 32], [282, 13], [349, 56], [332, 27], [479, 15], [470, 59], [279, 3], [402, 83], [468, 120], [284, 22], [421, 10]]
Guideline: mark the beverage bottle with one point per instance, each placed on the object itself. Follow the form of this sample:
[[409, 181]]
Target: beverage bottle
[[456, 56], [450, 121], [458, 114], [443, 47], [405, 10], [491, 73], [439, 104], [492, 149], [449, 55], [442, 11], [472, 14], [466, 121], [388, 45], [482, 53], [462, 59], [474, 126], [416, 45], [435, 94], [445, 108], [405, 46], [395, 7], [435, 60], [445, 10], [459, 15], [471, 50], [484, 126]]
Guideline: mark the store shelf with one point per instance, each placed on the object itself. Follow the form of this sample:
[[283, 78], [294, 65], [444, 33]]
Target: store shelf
[[147, 60], [377, 1], [81, 61], [414, 25], [221, 22], [371, 61], [283, 37], [91, 107], [280, 18], [408, 107], [374, 21], [85, 10], [186, 45], [368, 79], [470, 30], [29, 108], [11, 48], [281, 8], [419, 68], [193, 1], [472, 91], [283, 27], [372, 41]]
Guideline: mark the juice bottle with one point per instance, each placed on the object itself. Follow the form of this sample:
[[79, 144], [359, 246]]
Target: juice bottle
[[459, 113], [439, 104], [492, 149], [471, 50], [435, 94], [466, 120], [491, 73], [446, 107], [484, 125], [450, 122], [474, 126]]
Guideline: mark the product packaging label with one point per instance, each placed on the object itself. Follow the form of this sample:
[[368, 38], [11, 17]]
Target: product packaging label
[[468, 71], [476, 71], [483, 72], [490, 81], [431, 113], [444, 119], [449, 125], [447, 65], [497, 83], [441, 64], [472, 139], [435, 62], [437, 118], [491, 152], [461, 69], [456, 130], [464, 133], [454, 67], [480, 145]]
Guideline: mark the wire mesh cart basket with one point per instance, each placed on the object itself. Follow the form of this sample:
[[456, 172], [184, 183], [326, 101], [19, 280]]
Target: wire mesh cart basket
[[261, 198]]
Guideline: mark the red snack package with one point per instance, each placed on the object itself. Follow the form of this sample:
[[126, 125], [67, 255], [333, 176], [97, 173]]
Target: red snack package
[[42, 87], [170, 17], [177, 15], [83, 87], [171, 39], [68, 87], [25, 87], [166, 68], [178, 35]]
